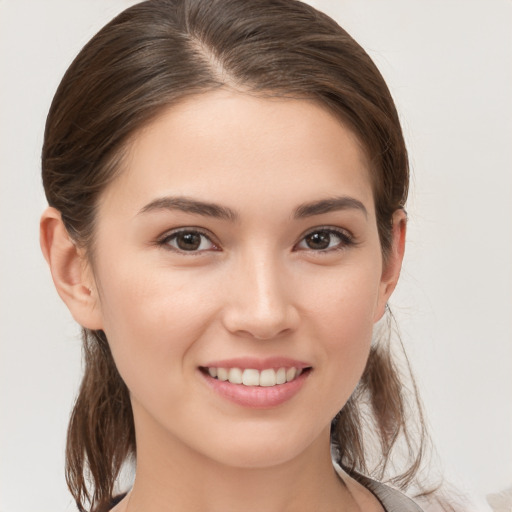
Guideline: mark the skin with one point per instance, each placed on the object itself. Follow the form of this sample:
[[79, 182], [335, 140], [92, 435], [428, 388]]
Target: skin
[[254, 288]]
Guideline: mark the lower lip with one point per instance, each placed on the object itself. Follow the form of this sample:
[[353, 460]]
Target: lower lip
[[257, 397]]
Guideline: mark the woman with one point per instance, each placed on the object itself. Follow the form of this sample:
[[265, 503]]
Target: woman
[[226, 182]]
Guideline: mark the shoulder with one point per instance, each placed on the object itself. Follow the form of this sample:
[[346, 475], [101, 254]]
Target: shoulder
[[390, 499]]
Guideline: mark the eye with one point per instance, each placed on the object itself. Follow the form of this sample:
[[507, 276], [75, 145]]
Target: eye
[[325, 239], [188, 240]]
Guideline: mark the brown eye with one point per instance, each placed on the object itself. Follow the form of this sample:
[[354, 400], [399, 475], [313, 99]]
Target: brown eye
[[319, 240], [189, 241], [325, 240]]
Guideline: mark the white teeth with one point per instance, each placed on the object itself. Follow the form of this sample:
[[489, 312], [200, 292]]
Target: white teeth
[[290, 374], [268, 378], [222, 374], [251, 377], [235, 376]]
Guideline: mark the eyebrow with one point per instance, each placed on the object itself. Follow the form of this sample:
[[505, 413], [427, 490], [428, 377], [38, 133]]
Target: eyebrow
[[188, 205], [206, 209], [329, 205]]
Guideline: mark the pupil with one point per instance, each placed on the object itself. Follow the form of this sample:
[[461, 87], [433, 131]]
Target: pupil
[[189, 241], [319, 240]]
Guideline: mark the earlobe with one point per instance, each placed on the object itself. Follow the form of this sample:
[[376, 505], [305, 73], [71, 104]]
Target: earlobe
[[393, 264], [70, 271]]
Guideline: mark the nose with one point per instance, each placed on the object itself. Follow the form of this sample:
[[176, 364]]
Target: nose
[[260, 300]]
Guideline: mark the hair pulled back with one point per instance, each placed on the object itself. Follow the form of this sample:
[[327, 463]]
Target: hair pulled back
[[152, 56]]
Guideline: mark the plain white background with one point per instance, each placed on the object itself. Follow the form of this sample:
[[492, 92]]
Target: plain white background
[[448, 64]]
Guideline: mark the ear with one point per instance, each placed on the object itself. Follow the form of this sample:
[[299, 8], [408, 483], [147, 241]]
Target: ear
[[70, 271], [393, 263]]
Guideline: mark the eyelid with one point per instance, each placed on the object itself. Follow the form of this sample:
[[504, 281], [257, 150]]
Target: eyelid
[[163, 240], [347, 238]]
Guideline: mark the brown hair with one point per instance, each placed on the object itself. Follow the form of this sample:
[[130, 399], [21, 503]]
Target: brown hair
[[151, 56]]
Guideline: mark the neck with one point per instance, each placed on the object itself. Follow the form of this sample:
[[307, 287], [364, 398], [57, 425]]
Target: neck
[[171, 477]]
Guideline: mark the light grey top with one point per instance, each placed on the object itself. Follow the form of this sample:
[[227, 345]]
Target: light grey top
[[391, 499]]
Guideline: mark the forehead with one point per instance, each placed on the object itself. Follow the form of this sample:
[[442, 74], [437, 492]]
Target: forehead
[[227, 145]]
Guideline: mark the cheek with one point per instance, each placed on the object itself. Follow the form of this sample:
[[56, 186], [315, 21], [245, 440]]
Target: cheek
[[343, 310], [151, 318], [345, 301], [348, 342]]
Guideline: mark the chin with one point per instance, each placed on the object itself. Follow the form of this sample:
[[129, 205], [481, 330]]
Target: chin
[[262, 448], [250, 458]]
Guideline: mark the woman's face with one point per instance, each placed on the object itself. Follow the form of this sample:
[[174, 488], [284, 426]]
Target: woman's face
[[239, 243]]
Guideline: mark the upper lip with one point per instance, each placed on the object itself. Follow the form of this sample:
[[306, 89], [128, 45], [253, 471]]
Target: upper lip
[[257, 363]]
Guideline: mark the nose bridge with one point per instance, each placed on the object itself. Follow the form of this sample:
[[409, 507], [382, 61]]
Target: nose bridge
[[260, 302]]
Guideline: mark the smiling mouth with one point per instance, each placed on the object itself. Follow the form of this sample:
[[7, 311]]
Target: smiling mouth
[[255, 378]]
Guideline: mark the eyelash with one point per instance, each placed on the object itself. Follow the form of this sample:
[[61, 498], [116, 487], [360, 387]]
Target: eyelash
[[165, 241], [345, 240]]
